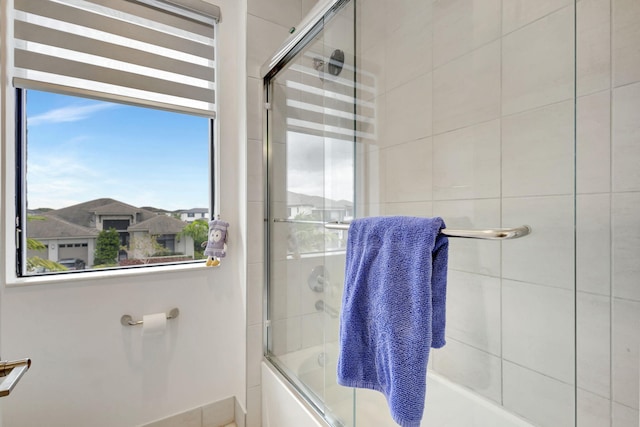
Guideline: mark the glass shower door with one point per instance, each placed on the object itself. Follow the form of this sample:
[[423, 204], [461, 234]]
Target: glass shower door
[[311, 139]]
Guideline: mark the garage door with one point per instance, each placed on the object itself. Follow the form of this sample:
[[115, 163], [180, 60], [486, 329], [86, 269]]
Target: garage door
[[74, 250]]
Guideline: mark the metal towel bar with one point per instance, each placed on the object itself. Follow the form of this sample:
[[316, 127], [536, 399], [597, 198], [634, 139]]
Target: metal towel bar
[[491, 234]]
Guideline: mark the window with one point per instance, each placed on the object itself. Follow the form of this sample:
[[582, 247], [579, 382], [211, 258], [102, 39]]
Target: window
[[116, 122]]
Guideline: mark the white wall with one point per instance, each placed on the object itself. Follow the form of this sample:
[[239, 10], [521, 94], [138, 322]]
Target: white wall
[[88, 370]]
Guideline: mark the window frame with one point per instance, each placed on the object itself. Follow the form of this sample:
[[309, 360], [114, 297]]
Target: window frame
[[20, 188]]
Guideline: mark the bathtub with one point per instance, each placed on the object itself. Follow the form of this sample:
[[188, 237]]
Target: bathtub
[[283, 405]]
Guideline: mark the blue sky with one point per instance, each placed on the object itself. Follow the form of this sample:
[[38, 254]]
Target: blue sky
[[82, 149]]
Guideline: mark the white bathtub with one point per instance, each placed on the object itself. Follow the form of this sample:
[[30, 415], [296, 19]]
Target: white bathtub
[[447, 404]]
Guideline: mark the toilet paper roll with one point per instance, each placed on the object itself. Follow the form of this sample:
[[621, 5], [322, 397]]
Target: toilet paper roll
[[154, 324]]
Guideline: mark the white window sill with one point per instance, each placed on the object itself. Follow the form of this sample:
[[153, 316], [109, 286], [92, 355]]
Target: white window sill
[[93, 275]]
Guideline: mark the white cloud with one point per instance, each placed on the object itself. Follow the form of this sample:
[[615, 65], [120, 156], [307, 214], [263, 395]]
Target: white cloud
[[72, 113]]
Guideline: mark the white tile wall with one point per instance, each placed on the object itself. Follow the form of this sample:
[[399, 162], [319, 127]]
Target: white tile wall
[[473, 311], [470, 255], [626, 33], [593, 56], [476, 369], [545, 401], [518, 13], [408, 112], [626, 352], [537, 63], [466, 91], [538, 328], [537, 150], [593, 339], [408, 53], [593, 410], [593, 149], [543, 256], [459, 26], [406, 171], [626, 138], [466, 162], [286, 13], [623, 416], [626, 245], [593, 243]]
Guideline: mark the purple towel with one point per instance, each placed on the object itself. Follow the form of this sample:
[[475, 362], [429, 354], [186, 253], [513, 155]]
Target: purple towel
[[393, 309]]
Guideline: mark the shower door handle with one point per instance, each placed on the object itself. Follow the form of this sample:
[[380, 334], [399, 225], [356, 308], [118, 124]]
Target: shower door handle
[[10, 374]]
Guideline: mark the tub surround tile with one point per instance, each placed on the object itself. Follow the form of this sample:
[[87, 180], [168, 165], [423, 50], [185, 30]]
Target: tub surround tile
[[626, 138], [254, 406], [593, 410], [408, 112], [593, 56], [626, 245], [473, 310], [536, 141], [626, 352], [401, 14], [543, 400], [518, 13], [469, 367], [255, 293], [542, 256], [623, 416], [593, 152], [461, 26], [255, 108], [471, 255], [286, 335], [466, 162], [420, 209], [255, 216], [593, 243], [286, 13], [406, 171], [254, 354], [371, 24], [626, 38], [466, 91], [594, 335], [536, 319], [408, 52], [372, 72], [537, 63]]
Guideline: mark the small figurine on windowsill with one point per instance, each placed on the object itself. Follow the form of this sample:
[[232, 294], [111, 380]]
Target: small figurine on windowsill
[[216, 243]]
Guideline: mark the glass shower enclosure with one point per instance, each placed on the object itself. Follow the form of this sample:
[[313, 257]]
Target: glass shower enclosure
[[490, 115]]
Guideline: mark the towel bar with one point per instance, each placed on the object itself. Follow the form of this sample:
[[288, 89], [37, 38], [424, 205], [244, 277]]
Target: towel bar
[[491, 234]]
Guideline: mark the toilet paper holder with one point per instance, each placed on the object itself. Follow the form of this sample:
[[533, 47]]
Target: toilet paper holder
[[127, 320]]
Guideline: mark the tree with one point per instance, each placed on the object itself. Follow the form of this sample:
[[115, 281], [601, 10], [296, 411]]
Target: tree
[[107, 247], [144, 246], [198, 230]]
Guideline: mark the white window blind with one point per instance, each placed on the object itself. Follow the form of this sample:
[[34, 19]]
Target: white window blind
[[155, 52]]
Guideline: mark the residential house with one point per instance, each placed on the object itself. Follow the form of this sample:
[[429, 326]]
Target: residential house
[[190, 215], [71, 232]]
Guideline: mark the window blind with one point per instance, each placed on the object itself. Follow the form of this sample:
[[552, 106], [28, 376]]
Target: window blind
[[154, 52]]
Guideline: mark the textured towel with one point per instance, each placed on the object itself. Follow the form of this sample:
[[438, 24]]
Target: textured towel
[[393, 309]]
